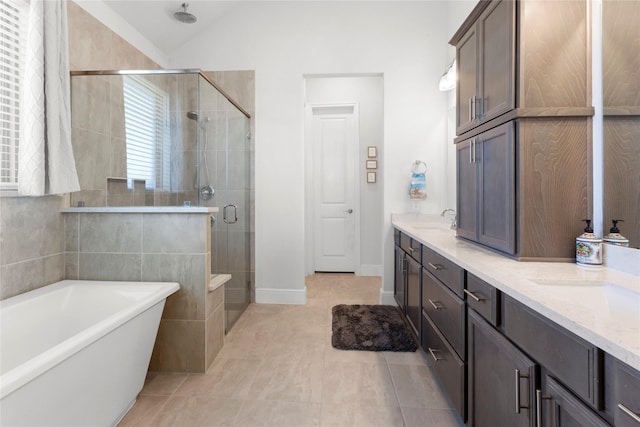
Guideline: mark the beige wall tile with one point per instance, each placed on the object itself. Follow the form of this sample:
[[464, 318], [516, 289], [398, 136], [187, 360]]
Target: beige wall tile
[[188, 270], [109, 232], [91, 151], [215, 300], [215, 335], [179, 346], [169, 233], [89, 40], [106, 266], [25, 276]]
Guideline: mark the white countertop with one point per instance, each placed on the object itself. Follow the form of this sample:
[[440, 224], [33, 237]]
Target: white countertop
[[599, 304], [141, 209]]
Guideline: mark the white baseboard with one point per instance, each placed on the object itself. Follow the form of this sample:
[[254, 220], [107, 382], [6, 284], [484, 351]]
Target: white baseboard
[[370, 270], [281, 296], [386, 298]]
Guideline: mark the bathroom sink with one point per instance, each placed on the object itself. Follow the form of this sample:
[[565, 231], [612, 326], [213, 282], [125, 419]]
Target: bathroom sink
[[610, 295], [430, 227]]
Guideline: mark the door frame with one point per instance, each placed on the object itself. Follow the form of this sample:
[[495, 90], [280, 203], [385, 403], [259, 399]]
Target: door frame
[[310, 193]]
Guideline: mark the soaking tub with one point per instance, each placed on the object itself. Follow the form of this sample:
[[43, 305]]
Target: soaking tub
[[76, 353]]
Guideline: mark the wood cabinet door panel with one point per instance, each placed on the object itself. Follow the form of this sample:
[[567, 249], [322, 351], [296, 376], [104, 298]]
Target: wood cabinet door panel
[[560, 408], [500, 379], [413, 295], [467, 188], [399, 282], [466, 59], [495, 155], [497, 69]]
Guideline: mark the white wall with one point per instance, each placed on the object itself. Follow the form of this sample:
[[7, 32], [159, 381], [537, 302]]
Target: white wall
[[367, 92], [282, 42]]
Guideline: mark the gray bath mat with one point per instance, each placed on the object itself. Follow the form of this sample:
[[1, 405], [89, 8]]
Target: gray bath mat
[[370, 328]]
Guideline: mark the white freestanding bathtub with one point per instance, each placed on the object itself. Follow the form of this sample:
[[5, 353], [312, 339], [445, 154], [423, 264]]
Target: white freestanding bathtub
[[76, 353]]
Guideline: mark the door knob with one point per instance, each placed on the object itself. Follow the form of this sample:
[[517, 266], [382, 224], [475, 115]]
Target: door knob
[[349, 211]]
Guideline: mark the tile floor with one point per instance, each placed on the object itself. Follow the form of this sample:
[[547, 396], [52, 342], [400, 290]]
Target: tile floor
[[278, 368]]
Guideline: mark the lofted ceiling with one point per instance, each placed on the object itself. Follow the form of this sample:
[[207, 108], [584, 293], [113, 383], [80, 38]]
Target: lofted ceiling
[[154, 19]]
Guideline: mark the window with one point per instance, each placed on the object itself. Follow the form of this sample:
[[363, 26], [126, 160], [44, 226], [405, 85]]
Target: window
[[12, 47], [146, 109]]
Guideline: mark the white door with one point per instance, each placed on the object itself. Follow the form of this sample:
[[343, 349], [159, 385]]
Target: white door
[[334, 138]]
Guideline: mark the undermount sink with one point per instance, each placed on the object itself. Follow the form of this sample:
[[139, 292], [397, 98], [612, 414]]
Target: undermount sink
[[430, 227], [611, 295]]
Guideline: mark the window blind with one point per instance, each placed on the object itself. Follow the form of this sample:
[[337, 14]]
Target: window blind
[[146, 109], [12, 47]]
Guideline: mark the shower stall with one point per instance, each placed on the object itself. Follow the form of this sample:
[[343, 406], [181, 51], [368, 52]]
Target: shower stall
[[157, 138]]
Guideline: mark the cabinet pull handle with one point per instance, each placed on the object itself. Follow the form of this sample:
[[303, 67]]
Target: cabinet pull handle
[[539, 399], [518, 376], [433, 354], [473, 151], [472, 295], [629, 412], [435, 266], [473, 107], [470, 113], [436, 306], [411, 249]]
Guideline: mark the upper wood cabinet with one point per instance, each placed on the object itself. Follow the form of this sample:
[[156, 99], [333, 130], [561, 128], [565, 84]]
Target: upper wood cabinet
[[527, 63], [486, 68], [529, 58]]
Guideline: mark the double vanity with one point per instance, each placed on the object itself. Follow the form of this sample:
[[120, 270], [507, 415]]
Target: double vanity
[[520, 343]]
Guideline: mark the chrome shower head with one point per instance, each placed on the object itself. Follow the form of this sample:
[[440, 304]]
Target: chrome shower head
[[192, 115], [184, 16]]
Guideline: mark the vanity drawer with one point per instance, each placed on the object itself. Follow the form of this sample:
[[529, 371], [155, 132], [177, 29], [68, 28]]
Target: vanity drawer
[[622, 393], [449, 273], [483, 298], [410, 246], [573, 361], [449, 367], [445, 309]]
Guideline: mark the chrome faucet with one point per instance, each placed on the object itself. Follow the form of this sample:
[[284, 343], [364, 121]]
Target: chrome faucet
[[454, 223]]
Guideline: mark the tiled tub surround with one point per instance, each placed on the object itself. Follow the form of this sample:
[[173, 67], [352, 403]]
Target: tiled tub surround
[[607, 316], [155, 244]]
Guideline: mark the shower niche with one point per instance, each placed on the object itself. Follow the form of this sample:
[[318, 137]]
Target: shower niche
[[159, 138]]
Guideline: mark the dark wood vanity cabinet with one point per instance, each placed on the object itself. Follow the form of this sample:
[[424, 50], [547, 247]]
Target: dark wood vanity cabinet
[[622, 393], [486, 185], [413, 295], [524, 126]]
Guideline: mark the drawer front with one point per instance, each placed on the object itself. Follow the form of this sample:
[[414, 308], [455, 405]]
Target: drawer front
[[448, 366], [446, 311], [410, 246], [483, 298], [625, 399], [446, 271], [569, 358]]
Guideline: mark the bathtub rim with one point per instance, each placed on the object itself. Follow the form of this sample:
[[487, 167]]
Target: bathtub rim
[[30, 369]]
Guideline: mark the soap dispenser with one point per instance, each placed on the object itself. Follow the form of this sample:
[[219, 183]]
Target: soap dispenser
[[588, 247], [614, 237]]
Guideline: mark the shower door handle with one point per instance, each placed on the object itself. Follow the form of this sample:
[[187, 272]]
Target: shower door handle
[[225, 216]]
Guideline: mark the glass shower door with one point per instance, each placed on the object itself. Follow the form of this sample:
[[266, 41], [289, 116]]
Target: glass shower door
[[235, 210]]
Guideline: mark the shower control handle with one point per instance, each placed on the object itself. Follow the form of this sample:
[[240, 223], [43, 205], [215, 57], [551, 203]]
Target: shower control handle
[[226, 217]]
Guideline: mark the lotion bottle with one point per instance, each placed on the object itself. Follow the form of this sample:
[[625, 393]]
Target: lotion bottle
[[588, 247], [614, 237]]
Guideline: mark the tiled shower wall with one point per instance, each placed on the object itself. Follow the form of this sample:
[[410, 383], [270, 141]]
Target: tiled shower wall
[[31, 228], [156, 247]]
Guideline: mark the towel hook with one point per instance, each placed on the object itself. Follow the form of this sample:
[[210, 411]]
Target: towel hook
[[418, 165]]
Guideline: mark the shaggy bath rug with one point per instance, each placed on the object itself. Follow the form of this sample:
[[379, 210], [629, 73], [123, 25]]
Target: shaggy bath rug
[[370, 328]]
